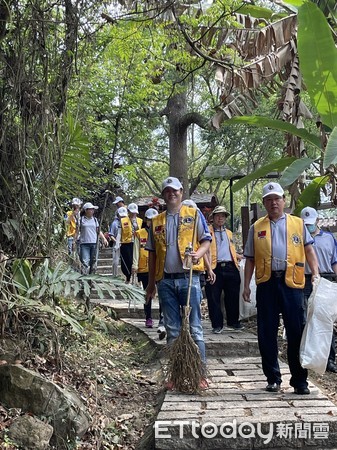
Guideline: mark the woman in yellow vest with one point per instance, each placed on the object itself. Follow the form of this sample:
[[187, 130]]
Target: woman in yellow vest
[[224, 263], [72, 222], [129, 225], [140, 263]]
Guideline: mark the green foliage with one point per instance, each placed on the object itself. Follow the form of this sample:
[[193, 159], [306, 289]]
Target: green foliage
[[263, 122], [292, 172], [22, 275], [318, 61], [43, 289], [311, 194], [275, 166], [75, 164], [330, 154], [260, 12]]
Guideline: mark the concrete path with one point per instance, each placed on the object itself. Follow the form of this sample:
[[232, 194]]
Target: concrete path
[[236, 412]]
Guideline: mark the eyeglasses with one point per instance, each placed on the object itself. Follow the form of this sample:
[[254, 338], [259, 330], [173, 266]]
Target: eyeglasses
[[271, 200]]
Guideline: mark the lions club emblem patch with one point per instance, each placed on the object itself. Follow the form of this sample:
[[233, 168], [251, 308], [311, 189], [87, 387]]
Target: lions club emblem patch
[[296, 239]]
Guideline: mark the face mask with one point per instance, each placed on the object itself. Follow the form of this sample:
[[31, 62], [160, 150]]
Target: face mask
[[311, 228]]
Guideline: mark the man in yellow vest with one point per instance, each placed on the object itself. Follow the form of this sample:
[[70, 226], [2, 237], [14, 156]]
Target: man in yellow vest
[[171, 233], [224, 263], [278, 246], [140, 264], [129, 225]]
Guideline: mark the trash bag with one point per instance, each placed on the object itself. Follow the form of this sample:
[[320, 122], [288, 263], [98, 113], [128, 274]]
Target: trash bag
[[247, 309], [317, 333]]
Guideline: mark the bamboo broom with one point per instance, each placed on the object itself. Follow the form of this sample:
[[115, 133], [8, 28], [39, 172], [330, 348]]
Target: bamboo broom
[[185, 368]]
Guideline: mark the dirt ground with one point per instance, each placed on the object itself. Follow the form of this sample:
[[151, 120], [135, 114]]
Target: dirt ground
[[116, 373]]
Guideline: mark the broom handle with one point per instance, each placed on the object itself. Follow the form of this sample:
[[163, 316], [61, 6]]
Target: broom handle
[[191, 268]]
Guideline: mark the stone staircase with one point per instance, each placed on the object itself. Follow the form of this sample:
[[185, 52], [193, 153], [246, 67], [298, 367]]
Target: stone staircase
[[235, 412]]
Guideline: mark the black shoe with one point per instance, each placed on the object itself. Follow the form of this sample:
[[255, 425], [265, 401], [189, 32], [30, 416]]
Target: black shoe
[[302, 391], [331, 367], [217, 330], [273, 387], [236, 327]]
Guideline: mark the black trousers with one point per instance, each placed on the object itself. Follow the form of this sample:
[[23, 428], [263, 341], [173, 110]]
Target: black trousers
[[227, 280], [126, 259]]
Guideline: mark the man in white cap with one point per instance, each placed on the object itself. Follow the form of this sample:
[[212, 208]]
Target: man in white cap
[[277, 246], [326, 253], [224, 263], [129, 225], [119, 202], [72, 222], [171, 233]]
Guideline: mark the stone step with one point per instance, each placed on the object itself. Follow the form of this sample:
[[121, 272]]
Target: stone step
[[127, 310], [104, 269], [236, 412], [105, 254], [228, 343], [241, 415]]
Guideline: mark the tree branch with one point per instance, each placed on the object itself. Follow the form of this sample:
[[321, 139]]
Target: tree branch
[[193, 117]]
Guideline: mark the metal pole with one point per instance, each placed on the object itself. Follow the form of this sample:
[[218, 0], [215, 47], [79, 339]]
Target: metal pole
[[231, 202]]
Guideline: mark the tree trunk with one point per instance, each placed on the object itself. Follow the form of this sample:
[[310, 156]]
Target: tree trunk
[[176, 110]]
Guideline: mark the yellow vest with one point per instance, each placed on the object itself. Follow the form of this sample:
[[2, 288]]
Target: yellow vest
[[187, 216], [294, 277], [71, 225], [143, 261], [127, 230], [214, 250]]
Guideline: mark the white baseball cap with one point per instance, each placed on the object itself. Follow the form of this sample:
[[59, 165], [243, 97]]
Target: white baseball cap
[[117, 200], [189, 202], [122, 211], [76, 201], [272, 189], [151, 213], [89, 205], [133, 208], [309, 215], [172, 182]]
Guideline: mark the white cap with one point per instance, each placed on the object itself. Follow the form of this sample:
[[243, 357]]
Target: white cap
[[172, 182], [133, 208], [309, 215], [122, 211], [219, 210], [272, 189], [189, 202], [76, 201], [117, 199], [89, 205], [151, 213]]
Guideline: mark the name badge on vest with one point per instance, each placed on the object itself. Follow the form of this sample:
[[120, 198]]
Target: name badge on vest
[[262, 234], [159, 229]]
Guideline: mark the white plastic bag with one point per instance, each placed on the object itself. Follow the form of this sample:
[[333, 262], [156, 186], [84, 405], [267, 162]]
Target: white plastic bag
[[317, 334], [247, 309]]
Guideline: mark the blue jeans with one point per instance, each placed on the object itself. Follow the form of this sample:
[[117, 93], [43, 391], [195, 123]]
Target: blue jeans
[[70, 241], [273, 298], [173, 296], [88, 257]]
